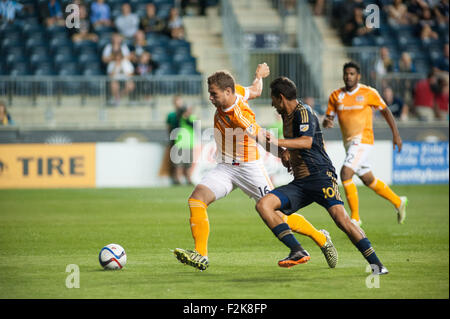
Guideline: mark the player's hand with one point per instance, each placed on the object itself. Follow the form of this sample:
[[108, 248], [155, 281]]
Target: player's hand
[[397, 140], [285, 159], [262, 71], [270, 138], [328, 122]]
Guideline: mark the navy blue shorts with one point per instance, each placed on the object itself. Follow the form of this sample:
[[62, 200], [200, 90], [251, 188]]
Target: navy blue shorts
[[321, 188]]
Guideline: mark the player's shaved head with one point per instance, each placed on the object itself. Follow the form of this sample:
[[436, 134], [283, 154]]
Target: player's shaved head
[[284, 86], [223, 80]]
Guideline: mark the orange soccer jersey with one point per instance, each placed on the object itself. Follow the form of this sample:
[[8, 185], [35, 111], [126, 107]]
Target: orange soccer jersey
[[236, 129], [354, 110]]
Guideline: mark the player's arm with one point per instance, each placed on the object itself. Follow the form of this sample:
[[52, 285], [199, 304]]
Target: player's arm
[[255, 90], [302, 142], [328, 120], [396, 139]]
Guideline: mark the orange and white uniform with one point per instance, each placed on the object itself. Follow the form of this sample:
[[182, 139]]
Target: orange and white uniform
[[355, 115], [235, 130], [239, 164]]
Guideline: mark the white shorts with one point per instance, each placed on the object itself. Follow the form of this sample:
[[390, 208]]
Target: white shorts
[[250, 177], [357, 157]]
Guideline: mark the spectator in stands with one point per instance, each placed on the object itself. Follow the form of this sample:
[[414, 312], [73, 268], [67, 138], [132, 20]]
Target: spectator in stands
[[397, 13], [319, 6], [150, 22], [384, 63], [100, 13], [442, 98], [51, 13], [5, 117], [440, 11], [398, 108], [85, 32], [145, 64], [441, 65], [425, 91], [356, 26], [427, 34], [202, 4], [120, 70], [415, 8], [8, 10], [405, 64], [116, 45], [175, 27], [139, 46], [127, 23]]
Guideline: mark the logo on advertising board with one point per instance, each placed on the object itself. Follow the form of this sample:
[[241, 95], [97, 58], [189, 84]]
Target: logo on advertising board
[[421, 163]]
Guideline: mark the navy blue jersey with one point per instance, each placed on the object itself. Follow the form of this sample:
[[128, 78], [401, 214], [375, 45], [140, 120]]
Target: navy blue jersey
[[306, 162]]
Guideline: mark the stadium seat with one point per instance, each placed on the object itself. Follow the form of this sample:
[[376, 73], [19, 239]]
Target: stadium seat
[[17, 69], [15, 57], [175, 44], [183, 58], [44, 69], [69, 68], [87, 57], [422, 65], [161, 58]]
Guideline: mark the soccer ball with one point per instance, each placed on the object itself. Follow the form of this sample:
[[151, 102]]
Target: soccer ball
[[112, 256]]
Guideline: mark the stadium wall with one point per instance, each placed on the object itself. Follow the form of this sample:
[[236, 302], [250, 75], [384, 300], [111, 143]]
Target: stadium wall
[[134, 164]]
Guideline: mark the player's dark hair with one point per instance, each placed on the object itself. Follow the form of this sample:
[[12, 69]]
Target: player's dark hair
[[354, 65], [285, 86], [223, 80]]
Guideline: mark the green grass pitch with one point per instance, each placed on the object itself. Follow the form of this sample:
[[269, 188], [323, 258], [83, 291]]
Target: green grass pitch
[[43, 231]]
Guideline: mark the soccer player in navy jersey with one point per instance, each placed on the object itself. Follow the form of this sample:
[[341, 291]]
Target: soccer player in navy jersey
[[314, 178]]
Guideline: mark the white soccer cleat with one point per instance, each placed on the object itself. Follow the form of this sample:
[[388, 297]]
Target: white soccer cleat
[[329, 251], [401, 211]]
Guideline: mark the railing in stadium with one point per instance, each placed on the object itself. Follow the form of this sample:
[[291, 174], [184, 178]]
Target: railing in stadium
[[52, 90]]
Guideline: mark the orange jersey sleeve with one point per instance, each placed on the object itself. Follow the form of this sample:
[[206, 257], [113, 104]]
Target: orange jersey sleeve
[[242, 91]]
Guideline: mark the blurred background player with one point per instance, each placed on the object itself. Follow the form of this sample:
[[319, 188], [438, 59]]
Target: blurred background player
[[239, 165], [353, 105], [314, 179], [184, 146]]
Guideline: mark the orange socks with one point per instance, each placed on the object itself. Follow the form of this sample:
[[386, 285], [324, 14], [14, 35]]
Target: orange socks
[[382, 189], [199, 225], [351, 192], [300, 225]]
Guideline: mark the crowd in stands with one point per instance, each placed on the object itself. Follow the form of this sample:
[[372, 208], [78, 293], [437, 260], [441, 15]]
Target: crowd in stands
[[114, 37], [412, 38]]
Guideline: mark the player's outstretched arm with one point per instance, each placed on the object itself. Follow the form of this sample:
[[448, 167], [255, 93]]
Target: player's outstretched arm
[[396, 139], [328, 121], [302, 142], [262, 71]]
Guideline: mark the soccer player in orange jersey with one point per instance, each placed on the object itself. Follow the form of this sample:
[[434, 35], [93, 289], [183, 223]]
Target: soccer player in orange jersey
[[238, 166], [353, 105]]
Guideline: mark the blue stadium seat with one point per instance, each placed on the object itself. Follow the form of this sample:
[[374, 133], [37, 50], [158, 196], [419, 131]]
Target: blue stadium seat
[[161, 58], [16, 57], [175, 44], [69, 68], [422, 65], [38, 57], [44, 69], [183, 58], [20, 68], [87, 57]]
